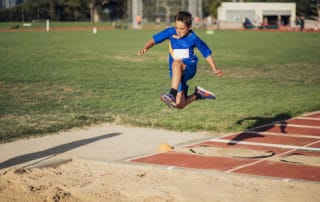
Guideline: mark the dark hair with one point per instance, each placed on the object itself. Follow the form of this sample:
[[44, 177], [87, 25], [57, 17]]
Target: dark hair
[[185, 17]]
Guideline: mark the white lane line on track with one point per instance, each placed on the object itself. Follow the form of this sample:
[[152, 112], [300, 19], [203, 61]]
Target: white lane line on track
[[288, 125], [268, 145], [280, 154], [284, 134], [311, 113], [307, 118]]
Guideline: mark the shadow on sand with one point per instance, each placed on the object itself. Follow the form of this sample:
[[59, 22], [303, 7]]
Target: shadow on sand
[[53, 151]]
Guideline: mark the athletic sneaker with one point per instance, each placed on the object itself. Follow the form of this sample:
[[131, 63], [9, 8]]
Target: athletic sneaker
[[169, 99], [204, 94]]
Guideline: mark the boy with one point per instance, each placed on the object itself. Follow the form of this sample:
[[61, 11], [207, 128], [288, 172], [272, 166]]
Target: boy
[[182, 60]]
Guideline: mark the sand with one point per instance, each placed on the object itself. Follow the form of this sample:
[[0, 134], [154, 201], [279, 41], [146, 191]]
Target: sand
[[71, 177], [87, 180]]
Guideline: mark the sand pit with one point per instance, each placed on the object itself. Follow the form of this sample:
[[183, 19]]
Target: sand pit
[[84, 180], [78, 165]]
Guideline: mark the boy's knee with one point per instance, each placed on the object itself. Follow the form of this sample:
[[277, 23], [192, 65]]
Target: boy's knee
[[177, 64], [180, 105]]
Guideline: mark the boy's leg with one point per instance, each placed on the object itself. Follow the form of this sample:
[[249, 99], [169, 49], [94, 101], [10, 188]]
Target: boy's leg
[[199, 93], [187, 73], [182, 101], [177, 71], [177, 97]]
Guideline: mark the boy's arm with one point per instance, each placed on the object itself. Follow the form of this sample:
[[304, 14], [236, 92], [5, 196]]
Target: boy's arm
[[213, 66], [207, 54], [148, 45]]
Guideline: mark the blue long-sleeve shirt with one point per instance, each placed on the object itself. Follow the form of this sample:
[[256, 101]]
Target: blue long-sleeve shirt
[[182, 48]]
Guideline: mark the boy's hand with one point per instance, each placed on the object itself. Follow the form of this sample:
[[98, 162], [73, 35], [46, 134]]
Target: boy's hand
[[148, 45], [218, 72], [142, 51]]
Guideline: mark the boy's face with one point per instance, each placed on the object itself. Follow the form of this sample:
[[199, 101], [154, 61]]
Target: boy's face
[[181, 29]]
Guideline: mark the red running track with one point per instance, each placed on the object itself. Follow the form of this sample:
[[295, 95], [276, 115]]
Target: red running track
[[298, 138]]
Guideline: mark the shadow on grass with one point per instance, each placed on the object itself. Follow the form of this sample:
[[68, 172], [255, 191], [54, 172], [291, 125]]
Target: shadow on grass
[[261, 124], [53, 151]]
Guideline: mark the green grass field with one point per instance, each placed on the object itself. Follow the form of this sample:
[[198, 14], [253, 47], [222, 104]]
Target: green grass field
[[59, 80], [53, 24]]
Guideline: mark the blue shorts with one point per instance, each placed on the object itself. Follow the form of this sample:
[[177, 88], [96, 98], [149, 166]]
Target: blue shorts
[[189, 72]]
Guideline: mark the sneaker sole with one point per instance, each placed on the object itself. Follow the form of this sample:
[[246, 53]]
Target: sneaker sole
[[164, 98], [206, 92]]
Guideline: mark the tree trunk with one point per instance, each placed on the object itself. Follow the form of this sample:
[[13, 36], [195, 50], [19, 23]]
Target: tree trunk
[[137, 14]]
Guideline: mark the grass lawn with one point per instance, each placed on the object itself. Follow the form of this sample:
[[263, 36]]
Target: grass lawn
[[53, 24], [59, 80]]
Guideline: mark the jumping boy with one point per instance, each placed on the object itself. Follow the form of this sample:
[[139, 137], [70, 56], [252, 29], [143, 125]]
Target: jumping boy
[[183, 61]]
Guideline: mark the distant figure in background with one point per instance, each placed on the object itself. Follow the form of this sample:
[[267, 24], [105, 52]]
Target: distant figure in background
[[139, 20], [197, 22], [264, 23], [302, 23], [158, 20], [208, 22], [247, 24]]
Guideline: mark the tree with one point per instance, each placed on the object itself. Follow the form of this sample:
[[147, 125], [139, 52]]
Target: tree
[[210, 7], [165, 9], [96, 10], [315, 9]]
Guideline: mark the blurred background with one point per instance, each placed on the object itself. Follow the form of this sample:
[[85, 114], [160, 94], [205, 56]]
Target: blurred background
[[139, 12]]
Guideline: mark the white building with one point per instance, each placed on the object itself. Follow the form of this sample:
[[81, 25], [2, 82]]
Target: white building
[[233, 14]]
